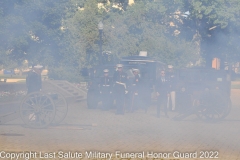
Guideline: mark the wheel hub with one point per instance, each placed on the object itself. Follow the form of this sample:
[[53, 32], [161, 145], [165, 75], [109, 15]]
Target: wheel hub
[[37, 108]]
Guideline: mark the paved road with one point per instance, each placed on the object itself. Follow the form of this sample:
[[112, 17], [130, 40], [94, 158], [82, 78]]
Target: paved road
[[96, 130]]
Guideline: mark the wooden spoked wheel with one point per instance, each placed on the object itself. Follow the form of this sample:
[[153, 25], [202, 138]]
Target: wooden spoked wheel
[[212, 106], [37, 110]]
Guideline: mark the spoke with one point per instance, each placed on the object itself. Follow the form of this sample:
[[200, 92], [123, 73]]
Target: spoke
[[57, 115], [35, 97], [50, 104], [41, 96], [30, 98], [217, 113], [39, 99], [44, 101], [31, 106]]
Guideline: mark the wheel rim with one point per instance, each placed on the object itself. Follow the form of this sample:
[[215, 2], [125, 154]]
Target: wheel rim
[[37, 110]]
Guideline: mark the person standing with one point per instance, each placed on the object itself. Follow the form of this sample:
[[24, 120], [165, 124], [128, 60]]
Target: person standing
[[162, 89], [106, 90], [93, 89], [120, 80], [135, 91], [34, 79], [172, 79], [146, 90]]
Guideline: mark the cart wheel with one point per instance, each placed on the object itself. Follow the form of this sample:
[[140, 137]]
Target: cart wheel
[[212, 106], [61, 106], [37, 110]]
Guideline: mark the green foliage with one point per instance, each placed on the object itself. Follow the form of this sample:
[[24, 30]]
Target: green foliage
[[218, 24], [145, 26], [32, 29], [142, 26], [65, 73], [83, 34], [64, 34]]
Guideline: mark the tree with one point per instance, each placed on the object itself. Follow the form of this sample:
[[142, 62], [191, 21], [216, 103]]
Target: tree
[[217, 23], [64, 34], [142, 26], [145, 26], [31, 30], [83, 33]]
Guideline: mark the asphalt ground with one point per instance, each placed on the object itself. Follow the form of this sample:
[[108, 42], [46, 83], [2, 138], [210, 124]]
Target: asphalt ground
[[103, 131]]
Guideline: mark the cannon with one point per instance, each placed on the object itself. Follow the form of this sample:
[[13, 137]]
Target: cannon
[[203, 92], [40, 109]]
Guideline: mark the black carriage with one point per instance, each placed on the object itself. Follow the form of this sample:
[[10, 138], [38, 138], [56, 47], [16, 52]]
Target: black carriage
[[204, 92], [148, 67]]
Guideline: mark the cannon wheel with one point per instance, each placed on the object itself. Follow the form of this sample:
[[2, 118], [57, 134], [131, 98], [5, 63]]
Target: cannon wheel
[[37, 110], [212, 106], [61, 106]]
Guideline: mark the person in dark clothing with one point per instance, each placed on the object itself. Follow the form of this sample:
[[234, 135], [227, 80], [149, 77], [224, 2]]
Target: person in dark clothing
[[135, 91], [34, 80], [93, 90], [163, 90], [120, 80], [106, 90], [145, 91]]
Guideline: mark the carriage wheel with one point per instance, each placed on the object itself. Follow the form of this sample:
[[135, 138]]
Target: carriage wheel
[[212, 106], [61, 106], [37, 110]]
